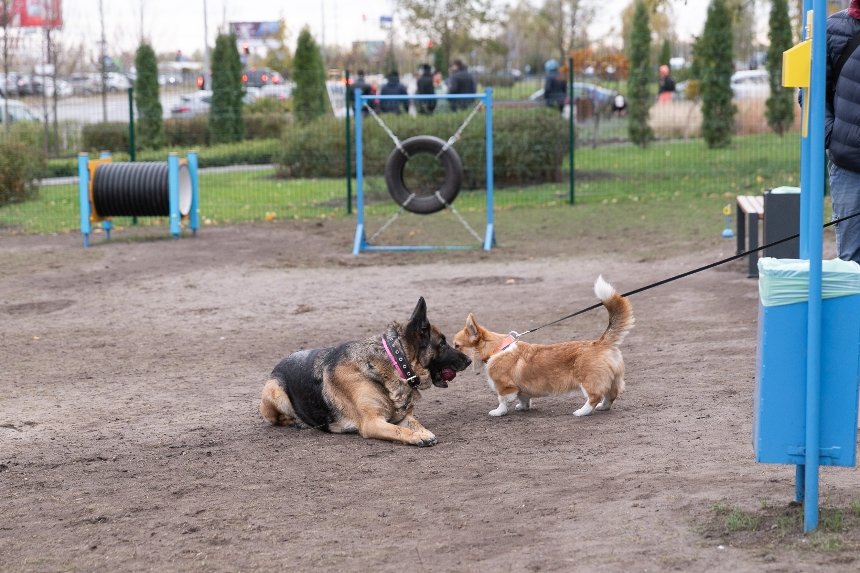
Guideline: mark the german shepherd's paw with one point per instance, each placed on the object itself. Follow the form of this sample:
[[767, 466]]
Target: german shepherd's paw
[[427, 442]]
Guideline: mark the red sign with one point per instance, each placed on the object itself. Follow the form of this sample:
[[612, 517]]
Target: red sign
[[35, 13]]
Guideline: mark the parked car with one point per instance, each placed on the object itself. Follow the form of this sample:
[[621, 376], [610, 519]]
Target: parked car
[[280, 92], [48, 86], [84, 84], [8, 85], [259, 77], [750, 84], [14, 111], [192, 104], [115, 82], [24, 86]]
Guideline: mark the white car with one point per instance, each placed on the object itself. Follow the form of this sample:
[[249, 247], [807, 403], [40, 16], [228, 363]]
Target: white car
[[13, 111], [47, 85], [115, 82], [750, 84], [280, 92], [192, 104]]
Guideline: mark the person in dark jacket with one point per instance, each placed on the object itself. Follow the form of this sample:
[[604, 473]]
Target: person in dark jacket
[[461, 81], [360, 83], [425, 86], [393, 87], [554, 88], [665, 85], [842, 129]]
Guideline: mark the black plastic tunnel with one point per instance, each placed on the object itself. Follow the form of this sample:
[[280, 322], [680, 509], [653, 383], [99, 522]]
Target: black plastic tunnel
[[137, 190]]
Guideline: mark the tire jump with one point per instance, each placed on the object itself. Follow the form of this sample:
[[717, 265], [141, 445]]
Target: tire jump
[[138, 189], [424, 204], [417, 201]]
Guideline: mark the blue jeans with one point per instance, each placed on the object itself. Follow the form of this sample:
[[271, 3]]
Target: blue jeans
[[845, 194]]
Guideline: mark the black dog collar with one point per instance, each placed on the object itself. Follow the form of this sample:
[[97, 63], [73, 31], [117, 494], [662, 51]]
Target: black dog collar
[[400, 362]]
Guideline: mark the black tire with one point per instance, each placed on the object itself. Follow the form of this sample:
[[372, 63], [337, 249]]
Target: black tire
[[423, 204]]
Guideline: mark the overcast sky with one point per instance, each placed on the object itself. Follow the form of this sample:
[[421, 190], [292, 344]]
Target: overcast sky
[[178, 24]]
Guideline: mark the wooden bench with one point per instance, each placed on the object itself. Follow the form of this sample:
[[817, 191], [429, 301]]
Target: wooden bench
[[749, 212]]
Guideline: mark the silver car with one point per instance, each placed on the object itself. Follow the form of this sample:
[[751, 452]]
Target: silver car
[[13, 111], [192, 104]]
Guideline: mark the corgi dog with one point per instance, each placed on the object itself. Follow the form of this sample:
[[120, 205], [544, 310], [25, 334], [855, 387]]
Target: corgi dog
[[517, 370]]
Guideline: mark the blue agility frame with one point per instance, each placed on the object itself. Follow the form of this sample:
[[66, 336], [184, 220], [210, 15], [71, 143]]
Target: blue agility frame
[[360, 244]]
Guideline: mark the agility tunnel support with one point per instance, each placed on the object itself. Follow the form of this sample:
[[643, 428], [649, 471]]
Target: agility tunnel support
[[138, 189]]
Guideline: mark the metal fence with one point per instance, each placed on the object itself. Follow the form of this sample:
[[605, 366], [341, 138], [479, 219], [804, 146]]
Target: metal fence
[[259, 180]]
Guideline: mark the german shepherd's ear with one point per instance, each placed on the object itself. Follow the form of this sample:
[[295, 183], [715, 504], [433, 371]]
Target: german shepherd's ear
[[418, 326]]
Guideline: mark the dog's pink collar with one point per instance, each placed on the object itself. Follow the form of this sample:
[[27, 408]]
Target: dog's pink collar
[[400, 363]]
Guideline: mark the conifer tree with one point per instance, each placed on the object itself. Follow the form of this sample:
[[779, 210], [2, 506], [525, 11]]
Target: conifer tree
[[665, 53], [225, 113], [715, 50], [310, 98], [780, 104], [639, 95], [150, 124]]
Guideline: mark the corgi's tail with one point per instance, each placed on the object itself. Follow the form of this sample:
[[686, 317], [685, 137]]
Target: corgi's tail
[[620, 310]]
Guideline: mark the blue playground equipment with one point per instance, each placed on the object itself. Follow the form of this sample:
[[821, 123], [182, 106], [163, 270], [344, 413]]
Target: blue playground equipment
[[138, 189], [808, 350], [444, 151]]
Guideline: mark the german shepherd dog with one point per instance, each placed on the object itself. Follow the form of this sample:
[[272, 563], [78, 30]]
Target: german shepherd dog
[[522, 371], [369, 386]]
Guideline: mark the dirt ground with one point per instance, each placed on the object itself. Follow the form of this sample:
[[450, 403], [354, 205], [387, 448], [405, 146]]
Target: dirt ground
[[130, 438]]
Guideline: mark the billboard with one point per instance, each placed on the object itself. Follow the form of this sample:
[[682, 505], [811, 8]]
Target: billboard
[[35, 13], [255, 30]]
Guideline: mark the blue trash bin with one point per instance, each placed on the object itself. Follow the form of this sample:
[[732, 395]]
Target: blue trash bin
[[780, 395]]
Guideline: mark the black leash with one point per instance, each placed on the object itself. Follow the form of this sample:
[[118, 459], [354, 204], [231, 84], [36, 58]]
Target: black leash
[[682, 275]]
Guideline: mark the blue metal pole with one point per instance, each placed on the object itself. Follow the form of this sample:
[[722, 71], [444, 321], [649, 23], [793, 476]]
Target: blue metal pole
[[814, 243], [805, 195], [359, 241], [804, 152], [173, 192], [84, 197], [489, 235], [194, 214]]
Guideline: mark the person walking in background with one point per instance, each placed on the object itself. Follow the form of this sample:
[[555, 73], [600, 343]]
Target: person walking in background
[[393, 87], [842, 126], [554, 87], [665, 85], [424, 86], [461, 81], [360, 83], [440, 88]]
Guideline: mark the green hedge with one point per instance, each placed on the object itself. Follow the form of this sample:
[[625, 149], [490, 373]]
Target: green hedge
[[529, 145], [18, 165], [107, 136], [259, 152], [184, 132]]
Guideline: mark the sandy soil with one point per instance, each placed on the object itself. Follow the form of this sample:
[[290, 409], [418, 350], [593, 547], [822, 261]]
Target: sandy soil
[[130, 439]]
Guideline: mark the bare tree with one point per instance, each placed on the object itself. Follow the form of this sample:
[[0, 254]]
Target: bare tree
[[566, 22], [4, 20], [103, 60], [456, 26]]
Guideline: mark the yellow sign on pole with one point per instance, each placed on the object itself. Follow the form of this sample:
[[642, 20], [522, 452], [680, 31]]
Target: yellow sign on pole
[[796, 64], [796, 68]]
